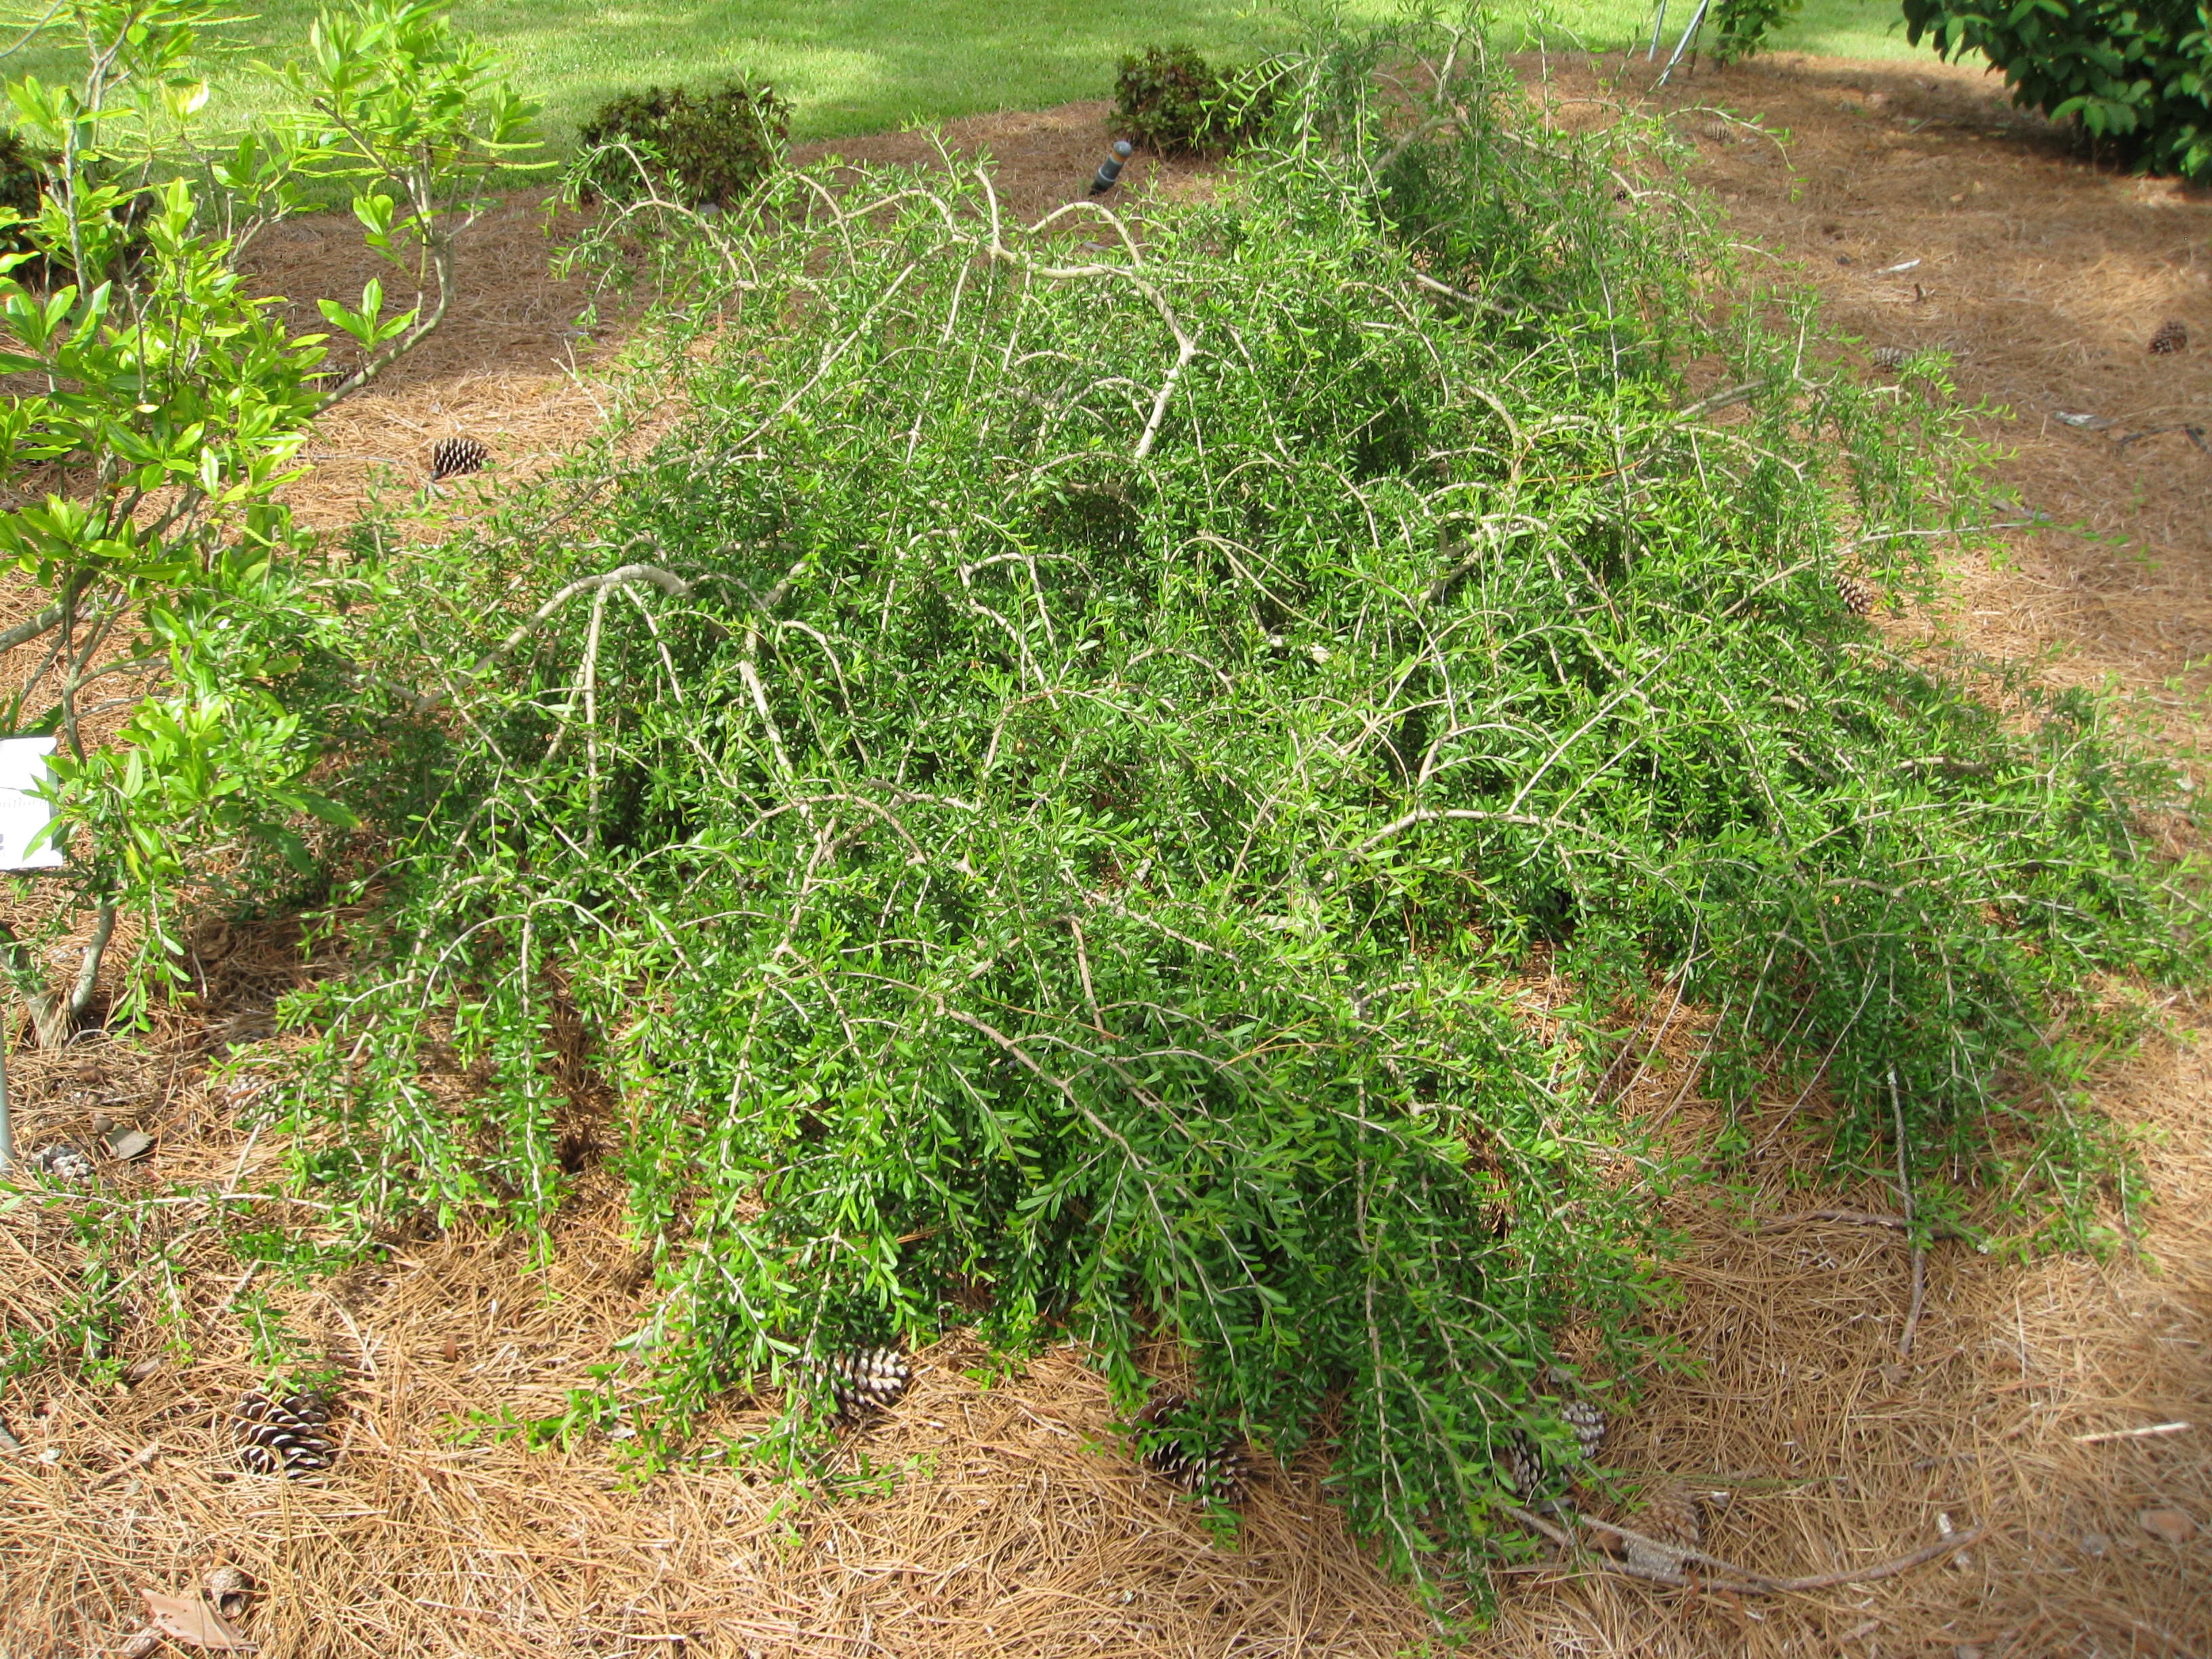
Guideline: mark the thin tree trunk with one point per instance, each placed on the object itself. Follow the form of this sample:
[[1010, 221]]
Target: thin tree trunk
[[88, 975]]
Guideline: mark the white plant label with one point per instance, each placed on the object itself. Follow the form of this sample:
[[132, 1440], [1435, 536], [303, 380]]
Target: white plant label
[[22, 814]]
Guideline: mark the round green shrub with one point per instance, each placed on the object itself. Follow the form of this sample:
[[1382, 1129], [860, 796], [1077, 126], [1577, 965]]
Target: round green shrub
[[712, 146], [1171, 101]]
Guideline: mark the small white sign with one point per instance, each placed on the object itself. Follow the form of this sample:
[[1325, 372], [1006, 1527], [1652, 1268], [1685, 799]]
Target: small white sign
[[22, 814]]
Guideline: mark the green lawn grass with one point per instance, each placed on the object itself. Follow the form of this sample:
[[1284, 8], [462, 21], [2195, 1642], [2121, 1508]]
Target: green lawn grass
[[866, 65], [1851, 28]]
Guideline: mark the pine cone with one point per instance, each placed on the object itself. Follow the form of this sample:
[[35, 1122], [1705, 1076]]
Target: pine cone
[[240, 1095], [230, 1589], [1521, 1458], [2171, 338], [63, 1162], [288, 1437], [1890, 356], [1670, 1518], [865, 1381], [1856, 595], [1216, 1473], [1526, 1470], [455, 457], [1670, 1514], [1589, 1421]]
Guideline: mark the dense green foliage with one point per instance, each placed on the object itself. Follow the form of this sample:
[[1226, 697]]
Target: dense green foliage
[[2135, 75], [1044, 802], [712, 146], [1170, 100]]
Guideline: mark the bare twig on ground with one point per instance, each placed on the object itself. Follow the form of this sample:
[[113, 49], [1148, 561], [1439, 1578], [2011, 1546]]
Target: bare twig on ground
[[1747, 1580]]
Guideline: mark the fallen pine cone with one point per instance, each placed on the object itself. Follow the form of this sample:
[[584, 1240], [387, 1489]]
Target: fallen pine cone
[[1856, 595], [239, 1094], [63, 1162], [1670, 1517], [1521, 1460], [230, 1589], [456, 457], [865, 1381], [1522, 1463], [1216, 1473], [2171, 338], [1589, 1421], [288, 1437]]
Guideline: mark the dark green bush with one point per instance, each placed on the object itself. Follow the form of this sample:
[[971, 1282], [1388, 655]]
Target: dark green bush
[[1171, 101], [23, 185], [22, 175], [2135, 74], [712, 146]]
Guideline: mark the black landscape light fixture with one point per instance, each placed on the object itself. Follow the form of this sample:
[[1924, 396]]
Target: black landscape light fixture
[[24, 815], [1109, 170]]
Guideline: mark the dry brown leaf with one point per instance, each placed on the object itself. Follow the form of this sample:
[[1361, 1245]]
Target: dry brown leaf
[[2173, 1525], [194, 1622]]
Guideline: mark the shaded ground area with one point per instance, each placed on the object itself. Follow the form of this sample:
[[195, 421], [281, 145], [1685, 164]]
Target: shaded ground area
[[1929, 214], [996, 1514]]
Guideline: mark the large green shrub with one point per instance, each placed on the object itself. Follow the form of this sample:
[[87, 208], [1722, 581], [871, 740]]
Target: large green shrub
[[712, 146], [1740, 27], [1135, 796], [2135, 74]]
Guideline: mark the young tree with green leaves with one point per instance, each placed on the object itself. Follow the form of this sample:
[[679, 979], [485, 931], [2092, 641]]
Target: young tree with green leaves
[[158, 406]]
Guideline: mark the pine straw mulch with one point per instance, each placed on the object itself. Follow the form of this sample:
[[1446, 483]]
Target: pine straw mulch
[[1003, 1519], [1837, 1448], [1015, 1521], [1017, 1524]]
